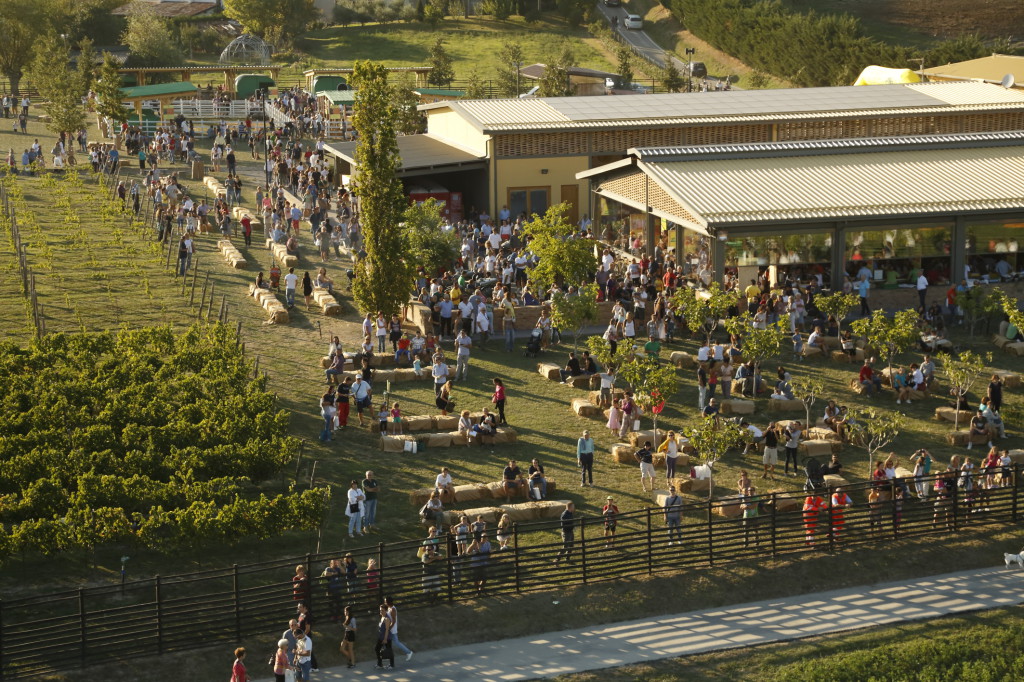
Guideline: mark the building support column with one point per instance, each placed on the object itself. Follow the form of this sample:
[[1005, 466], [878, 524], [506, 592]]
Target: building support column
[[959, 249], [838, 255]]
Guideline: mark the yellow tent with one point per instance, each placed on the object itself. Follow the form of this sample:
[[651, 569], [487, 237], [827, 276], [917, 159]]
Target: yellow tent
[[880, 75]]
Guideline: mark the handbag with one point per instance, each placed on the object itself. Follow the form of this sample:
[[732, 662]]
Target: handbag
[[353, 507], [636, 424], [289, 675]]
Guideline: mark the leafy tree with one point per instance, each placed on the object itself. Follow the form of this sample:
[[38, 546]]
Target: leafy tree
[[601, 350], [148, 39], [382, 278], [759, 344], [1011, 308], [672, 80], [838, 305], [440, 62], [962, 372], [712, 438], [624, 74], [875, 429], [889, 336], [257, 16], [556, 82], [759, 80], [703, 311], [563, 258], [652, 383], [408, 119], [108, 92], [573, 311], [434, 12], [977, 304], [86, 66], [428, 245], [20, 23], [58, 85], [510, 60], [474, 87], [807, 389], [420, 11]]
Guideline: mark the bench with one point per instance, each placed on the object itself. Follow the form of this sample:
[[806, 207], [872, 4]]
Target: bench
[[232, 256], [268, 301], [326, 300]]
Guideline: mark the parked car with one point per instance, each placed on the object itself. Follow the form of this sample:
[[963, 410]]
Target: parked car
[[612, 3], [634, 22], [698, 70]]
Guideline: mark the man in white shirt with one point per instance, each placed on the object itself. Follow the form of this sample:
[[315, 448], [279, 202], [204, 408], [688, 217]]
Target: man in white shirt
[[756, 437], [440, 374], [463, 342], [303, 656], [814, 340], [704, 353], [444, 486], [922, 289], [466, 311], [494, 241], [290, 282]]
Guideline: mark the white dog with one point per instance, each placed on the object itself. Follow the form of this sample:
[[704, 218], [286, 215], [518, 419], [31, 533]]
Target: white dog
[[1014, 559]]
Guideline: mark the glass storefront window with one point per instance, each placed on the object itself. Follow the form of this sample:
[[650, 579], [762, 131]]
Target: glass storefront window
[[794, 257], [993, 248], [896, 255], [620, 225]]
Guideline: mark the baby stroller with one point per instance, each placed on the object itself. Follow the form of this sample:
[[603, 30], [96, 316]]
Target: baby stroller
[[815, 478], [533, 345]]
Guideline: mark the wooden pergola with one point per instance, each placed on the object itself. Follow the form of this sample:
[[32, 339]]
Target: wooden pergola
[[228, 73], [421, 73], [164, 93]]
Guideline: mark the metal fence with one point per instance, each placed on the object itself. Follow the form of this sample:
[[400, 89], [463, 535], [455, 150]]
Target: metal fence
[[56, 630]]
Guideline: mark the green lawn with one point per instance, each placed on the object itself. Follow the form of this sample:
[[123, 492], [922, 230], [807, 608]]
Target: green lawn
[[473, 43]]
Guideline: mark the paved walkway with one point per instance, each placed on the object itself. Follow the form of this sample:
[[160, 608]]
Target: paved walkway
[[774, 620]]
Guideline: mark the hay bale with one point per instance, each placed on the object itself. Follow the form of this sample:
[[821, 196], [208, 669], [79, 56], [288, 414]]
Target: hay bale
[[550, 509], [1010, 380], [729, 507], [843, 356], [700, 485], [857, 387], [779, 405], [278, 317], [816, 448], [831, 342], [684, 485], [325, 362], [490, 514], [623, 453], [681, 360], [1001, 341], [496, 490], [549, 371], [418, 423], [821, 433], [438, 440], [393, 443], [1016, 456], [595, 381], [811, 351], [403, 374], [637, 438], [419, 497], [459, 438], [524, 511], [505, 434], [903, 472], [785, 502], [445, 423], [833, 481], [585, 408], [1015, 348], [735, 406], [471, 492], [578, 381]]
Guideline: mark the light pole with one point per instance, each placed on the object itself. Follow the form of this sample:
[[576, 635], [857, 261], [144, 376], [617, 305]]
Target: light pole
[[518, 67], [690, 51], [266, 147]]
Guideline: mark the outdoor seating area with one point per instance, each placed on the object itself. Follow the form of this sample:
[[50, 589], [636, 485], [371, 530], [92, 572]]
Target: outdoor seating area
[[277, 313]]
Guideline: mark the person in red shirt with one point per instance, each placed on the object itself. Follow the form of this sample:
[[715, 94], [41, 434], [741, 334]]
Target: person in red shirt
[[238, 673], [871, 383], [840, 503]]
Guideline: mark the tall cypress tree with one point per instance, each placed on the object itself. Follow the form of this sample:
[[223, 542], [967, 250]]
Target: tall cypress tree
[[383, 278]]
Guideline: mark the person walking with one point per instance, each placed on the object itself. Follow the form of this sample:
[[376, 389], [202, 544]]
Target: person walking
[[290, 282], [281, 662], [499, 399], [673, 516], [354, 510], [862, 291], [307, 289], [384, 648], [585, 458], [371, 486], [463, 342], [646, 459], [238, 673], [392, 614], [348, 640], [568, 526]]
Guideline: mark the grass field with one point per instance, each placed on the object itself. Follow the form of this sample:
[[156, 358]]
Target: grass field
[[473, 43], [537, 408]]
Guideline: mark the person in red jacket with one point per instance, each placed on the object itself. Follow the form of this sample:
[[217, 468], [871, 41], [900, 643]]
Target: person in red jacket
[[813, 504], [872, 383], [840, 503]]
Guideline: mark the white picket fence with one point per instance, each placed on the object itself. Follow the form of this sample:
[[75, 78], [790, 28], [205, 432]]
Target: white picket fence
[[207, 109]]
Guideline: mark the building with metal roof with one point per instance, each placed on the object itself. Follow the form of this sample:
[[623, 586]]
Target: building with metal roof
[[933, 203], [991, 69]]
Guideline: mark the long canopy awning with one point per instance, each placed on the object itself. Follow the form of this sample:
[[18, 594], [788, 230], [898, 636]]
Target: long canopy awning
[[420, 154]]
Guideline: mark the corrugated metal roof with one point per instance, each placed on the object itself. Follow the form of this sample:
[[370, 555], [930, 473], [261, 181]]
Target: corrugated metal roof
[[991, 68], [417, 151], [160, 89], [731, 106], [833, 186]]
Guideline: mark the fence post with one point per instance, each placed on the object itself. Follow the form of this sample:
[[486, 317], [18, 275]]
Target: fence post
[[159, 616], [775, 505], [583, 547], [380, 572], [1, 639], [1013, 494], [956, 506], [83, 645], [650, 544], [711, 538], [830, 516], [451, 567], [238, 600], [892, 504], [515, 554]]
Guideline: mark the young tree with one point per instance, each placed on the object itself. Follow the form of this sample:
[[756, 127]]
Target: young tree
[[510, 60], [1011, 308], [653, 384], [624, 74], [428, 245], [290, 17], [20, 22], [807, 389], [383, 277], [86, 66], [574, 311], [148, 38], [838, 305], [672, 80], [108, 92], [977, 304], [58, 85], [875, 429], [440, 62], [562, 258], [556, 82], [962, 372], [759, 344], [712, 438], [703, 311], [889, 336], [408, 119], [474, 86], [434, 12], [601, 350]]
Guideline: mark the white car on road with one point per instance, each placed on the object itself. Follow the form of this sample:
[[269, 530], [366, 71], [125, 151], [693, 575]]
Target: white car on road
[[634, 22]]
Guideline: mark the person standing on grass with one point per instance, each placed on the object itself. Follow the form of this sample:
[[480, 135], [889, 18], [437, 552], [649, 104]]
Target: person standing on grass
[[440, 374], [354, 510], [585, 458], [499, 399], [392, 614], [238, 673], [568, 526], [646, 459], [673, 516], [463, 342], [182, 256], [611, 519], [370, 489], [291, 280]]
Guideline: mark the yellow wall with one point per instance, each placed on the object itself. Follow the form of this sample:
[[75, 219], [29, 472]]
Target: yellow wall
[[561, 170], [447, 125]]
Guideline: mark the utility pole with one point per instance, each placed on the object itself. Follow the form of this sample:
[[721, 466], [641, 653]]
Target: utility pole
[[690, 51]]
